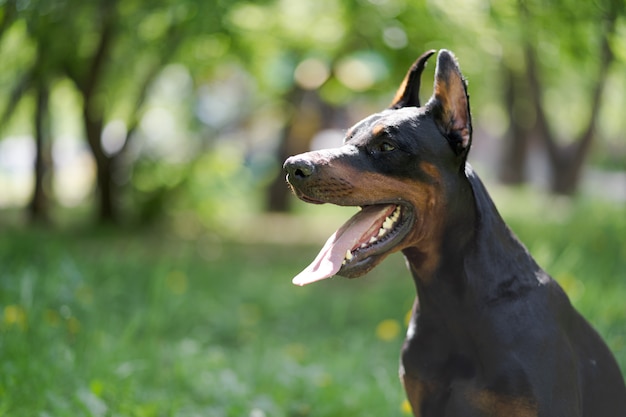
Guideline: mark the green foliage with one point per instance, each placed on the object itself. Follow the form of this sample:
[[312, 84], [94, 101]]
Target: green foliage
[[109, 62], [143, 324]]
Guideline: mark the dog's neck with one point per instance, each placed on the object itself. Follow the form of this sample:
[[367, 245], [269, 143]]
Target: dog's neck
[[478, 256]]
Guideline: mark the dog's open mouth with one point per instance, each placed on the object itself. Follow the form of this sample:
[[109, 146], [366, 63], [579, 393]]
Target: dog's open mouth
[[357, 245]]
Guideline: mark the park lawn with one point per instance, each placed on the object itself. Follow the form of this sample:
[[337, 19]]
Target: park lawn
[[150, 324]]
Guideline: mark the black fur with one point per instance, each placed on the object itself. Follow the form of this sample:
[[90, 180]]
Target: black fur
[[491, 333]]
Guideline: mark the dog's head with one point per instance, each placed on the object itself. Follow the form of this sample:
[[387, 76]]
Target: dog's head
[[398, 165]]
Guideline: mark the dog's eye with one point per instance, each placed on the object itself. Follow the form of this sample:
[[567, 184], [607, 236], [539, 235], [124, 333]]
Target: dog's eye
[[386, 147]]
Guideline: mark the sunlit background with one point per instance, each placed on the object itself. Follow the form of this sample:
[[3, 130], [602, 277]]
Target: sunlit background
[[147, 236], [193, 105]]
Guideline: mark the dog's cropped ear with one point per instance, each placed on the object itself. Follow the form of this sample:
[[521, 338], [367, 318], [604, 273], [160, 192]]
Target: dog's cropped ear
[[450, 103], [408, 94]]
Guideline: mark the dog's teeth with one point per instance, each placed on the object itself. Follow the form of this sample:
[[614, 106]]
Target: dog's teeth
[[348, 255], [386, 227], [395, 215]]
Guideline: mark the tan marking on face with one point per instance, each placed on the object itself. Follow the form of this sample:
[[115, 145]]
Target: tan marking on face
[[427, 198], [345, 185], [432, 171], [430, 214], [499, 405], [378, 129]]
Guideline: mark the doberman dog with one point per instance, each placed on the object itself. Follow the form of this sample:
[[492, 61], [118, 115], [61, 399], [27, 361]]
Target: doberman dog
[[491, 334]]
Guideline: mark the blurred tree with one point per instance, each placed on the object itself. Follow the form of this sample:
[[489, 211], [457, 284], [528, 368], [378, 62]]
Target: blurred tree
[[306, 65], [323, 58], [129, 45], [34, 80], [567, 160], [512, 169], [555, 61], [553, 42], [39, 205], [112, 52]]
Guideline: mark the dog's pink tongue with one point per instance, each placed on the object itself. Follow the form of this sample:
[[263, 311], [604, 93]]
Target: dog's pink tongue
[[328, 262]]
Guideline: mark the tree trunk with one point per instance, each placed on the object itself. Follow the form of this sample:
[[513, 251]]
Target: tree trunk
[[567, 166], [105, 186], [310, 114], [93, 115], [107, 191], [512, 168], [277, 198], [296, 136], [88, 83], [38, 207]]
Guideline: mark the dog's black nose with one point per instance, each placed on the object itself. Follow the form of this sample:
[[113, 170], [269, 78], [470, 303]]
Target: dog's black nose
[[298, 167]]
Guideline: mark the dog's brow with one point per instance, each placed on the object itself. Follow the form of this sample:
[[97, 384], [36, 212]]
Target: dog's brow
[[378, 129], [352, 131], [348, 135]]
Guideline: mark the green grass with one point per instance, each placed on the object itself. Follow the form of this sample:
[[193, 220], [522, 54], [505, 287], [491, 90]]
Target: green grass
[[150, 324]]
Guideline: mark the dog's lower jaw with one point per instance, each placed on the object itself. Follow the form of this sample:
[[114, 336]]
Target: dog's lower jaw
[[361, 268], [365, 258]]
